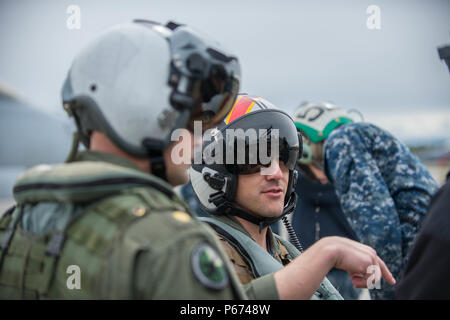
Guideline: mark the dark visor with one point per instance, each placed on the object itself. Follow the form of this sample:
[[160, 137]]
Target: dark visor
[[219, 93], [254, 140], [203, 73]]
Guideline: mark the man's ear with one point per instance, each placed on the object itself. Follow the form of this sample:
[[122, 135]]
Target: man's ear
[[306, 156]]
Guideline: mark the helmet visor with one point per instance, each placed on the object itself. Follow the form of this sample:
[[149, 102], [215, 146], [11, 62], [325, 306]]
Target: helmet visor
[[217, 94], [254, 163], [253, 141]]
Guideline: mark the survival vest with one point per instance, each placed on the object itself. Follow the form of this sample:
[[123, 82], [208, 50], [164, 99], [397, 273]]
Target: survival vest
[[91, 205], [260, 261]]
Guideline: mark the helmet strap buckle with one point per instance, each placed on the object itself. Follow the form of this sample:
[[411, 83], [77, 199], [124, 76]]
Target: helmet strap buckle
[[215, 181]]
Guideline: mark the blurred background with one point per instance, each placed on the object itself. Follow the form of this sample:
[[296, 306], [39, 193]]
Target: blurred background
[[380, 60]]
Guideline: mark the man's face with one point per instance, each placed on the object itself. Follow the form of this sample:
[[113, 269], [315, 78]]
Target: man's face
[[263, 195], [178, 158]]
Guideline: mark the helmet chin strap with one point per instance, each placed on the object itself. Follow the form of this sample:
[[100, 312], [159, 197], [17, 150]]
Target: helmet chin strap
[[226, 207]]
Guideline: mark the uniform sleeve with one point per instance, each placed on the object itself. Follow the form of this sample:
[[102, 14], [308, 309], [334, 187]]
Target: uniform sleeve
[[365, 197], [411, 187], [263, 288], [181, 261], [170, 273]]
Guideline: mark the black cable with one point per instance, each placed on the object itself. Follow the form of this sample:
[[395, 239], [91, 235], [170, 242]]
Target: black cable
[[292, 236]]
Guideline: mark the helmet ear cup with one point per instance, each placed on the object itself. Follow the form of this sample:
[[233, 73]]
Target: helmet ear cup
[[307, 155]]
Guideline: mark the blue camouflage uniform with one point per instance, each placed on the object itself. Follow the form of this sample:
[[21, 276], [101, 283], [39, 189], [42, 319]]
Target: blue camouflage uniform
[[384, 191]]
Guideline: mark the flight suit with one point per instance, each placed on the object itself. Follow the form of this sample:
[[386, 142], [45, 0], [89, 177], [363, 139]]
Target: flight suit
[[254, 265], [98, 228], [242, 268]]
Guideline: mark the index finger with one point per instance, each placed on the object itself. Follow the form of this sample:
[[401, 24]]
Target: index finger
[[387, 275]]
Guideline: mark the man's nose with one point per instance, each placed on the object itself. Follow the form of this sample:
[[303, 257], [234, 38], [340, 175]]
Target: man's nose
[[273, 172]]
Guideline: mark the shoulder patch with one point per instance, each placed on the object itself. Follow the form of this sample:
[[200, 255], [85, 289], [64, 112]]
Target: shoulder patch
[[181, 216], [208, 267]]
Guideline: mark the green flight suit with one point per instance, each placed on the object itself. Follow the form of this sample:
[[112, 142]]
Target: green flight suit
[[98, 228]]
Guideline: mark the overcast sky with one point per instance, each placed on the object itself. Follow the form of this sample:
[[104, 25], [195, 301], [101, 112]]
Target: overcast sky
[[290, 51]]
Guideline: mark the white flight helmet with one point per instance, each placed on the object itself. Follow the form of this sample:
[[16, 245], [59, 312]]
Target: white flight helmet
[[316, 121], [215, 182], [139, 81]]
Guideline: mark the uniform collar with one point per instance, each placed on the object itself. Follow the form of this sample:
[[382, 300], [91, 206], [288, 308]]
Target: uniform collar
[[234, 223], [96, 156]]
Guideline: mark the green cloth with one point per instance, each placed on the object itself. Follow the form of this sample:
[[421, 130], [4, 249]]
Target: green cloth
[[126, 231], [104, 157]]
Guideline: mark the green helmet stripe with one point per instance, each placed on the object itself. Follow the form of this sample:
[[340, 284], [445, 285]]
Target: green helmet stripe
[[317, 136]]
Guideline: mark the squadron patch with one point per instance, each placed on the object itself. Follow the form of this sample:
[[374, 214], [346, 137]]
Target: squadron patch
[[209, 267]]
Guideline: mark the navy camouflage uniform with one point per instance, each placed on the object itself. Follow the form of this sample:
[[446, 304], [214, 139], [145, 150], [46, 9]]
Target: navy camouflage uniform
[[384, 191]]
